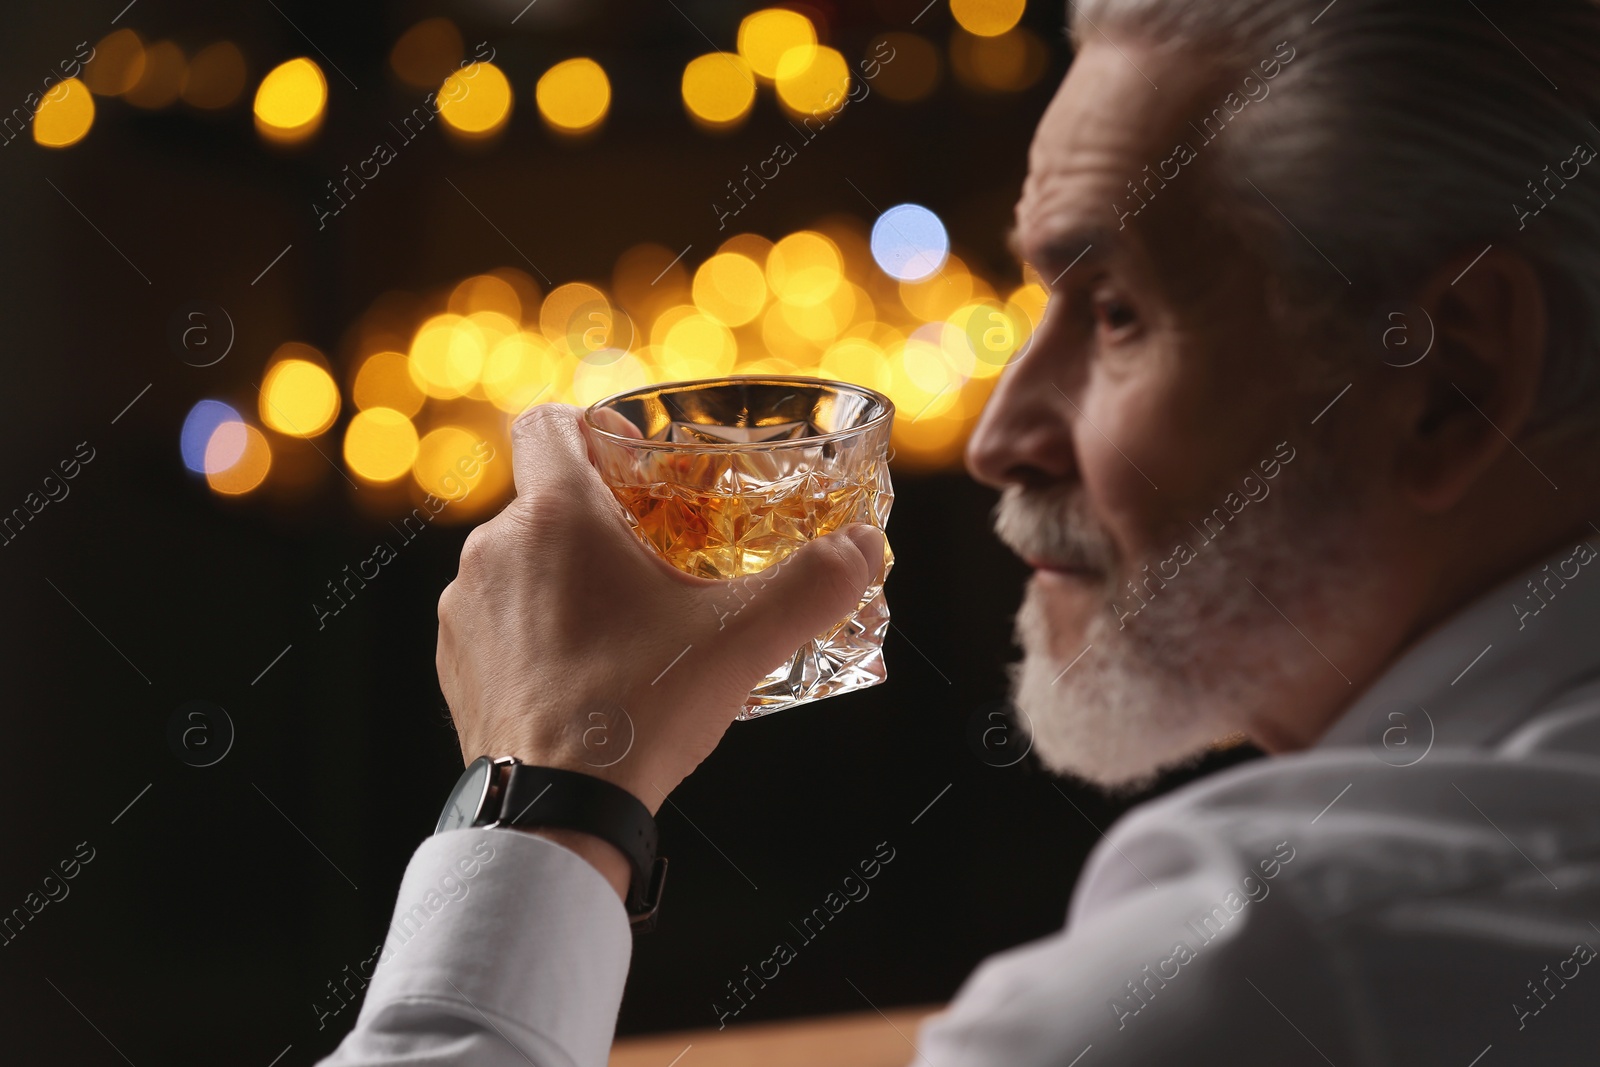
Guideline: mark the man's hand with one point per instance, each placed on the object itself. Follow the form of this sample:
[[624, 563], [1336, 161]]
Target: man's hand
[[562, 623]]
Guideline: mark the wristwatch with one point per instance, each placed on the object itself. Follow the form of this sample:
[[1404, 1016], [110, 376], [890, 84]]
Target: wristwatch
[[505, 792]]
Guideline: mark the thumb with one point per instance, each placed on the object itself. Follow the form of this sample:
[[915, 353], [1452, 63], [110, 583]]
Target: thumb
[[766, 616]]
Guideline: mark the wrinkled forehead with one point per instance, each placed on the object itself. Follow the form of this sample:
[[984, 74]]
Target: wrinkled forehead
[[1099, 150]]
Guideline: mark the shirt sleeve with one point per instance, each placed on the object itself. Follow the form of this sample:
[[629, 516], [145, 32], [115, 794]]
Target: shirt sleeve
[[505, 949]]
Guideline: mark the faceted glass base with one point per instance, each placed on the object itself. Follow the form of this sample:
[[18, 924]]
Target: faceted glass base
[[849, 658]]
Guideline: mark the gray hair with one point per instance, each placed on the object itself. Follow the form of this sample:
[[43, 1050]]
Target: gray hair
[[1405, 133]]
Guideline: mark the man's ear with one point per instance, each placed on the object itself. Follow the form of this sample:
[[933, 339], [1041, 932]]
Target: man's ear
[[1468, 403]]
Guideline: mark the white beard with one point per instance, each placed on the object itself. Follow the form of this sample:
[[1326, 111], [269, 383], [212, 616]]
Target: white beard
[[1203, 656]]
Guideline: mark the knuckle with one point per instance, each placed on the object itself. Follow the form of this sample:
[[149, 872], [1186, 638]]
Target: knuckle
[[477, 551], [479, 554], [542, 419]]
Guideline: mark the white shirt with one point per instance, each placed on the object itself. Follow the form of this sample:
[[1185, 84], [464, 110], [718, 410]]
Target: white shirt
[[1414, 889]]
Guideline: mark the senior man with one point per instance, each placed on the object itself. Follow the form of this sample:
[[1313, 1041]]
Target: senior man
[[1304, 448]]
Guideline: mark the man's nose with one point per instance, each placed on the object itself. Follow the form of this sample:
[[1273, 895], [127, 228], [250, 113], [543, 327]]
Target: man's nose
[[1024, 436]]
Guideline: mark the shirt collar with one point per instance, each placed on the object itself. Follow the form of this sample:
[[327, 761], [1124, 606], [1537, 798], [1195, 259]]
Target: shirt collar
[[1483, 672]]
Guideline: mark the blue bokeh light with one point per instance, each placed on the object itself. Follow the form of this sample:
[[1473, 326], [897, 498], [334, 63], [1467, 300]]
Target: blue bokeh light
[[199, 425], [909, 242]]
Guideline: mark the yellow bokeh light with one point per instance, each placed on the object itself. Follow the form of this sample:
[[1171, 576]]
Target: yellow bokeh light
[[730, 287], [449, 462], [667, 319], [752, 245], [1006, 63], [65, 115], [216, 76], [813, 80], [580, 320], [165, 71], [290, 100], [932, 440], [574, 95], [718, 89], [593, 381], [939, 294], [988, 335], [859, 361], [476, 100], [447, 356], [772, 365], [929, 367], [987, 18], [911, 71], [493, 327], [299, 398], [780, 338], [648, 278], [380, 444], [384, 381], [922, 381], [812, 304], [697, 346], [246, 472], [1032, 298], [486, 292], [117, 65], [820, 323], [804, 268], [524, 370], [426, 53], [528, 292], [766, 36]]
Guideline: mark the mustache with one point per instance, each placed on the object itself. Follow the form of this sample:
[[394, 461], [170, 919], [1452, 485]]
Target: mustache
[[1053, 524]]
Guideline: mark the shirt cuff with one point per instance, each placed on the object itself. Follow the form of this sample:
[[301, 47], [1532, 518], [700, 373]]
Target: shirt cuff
[[523, 930]]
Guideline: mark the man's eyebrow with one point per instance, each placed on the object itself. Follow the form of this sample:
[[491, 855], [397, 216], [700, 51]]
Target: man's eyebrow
[[1082, 246]]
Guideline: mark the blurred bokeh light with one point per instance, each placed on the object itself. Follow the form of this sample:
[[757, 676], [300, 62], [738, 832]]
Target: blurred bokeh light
[[719, 89], [911, 67], [884, 303], [476, 100], [768, 36], [117, 65], [165, 72], [290, 101], [446, 463], [384, 381], [298, 397], [199, 426], [427, 53], [909, 242], [574, 95], [380, 444], [731, 287], [65, 114], [216, 76], [250, 468], [1005, 63], [812, 79], [987, 18]]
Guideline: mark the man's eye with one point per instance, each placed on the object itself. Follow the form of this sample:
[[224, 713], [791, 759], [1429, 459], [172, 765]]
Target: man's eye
[[1114, 315]]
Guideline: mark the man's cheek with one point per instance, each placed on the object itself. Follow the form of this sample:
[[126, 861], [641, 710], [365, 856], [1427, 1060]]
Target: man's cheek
[[1113, 446]]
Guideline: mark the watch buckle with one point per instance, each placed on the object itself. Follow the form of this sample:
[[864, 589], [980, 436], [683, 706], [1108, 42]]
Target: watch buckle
[[644, 921]]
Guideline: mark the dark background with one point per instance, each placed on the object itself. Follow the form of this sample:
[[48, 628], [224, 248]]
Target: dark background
[[209, 923]]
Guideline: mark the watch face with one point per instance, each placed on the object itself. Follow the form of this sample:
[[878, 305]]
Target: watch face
[[467, 797]]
